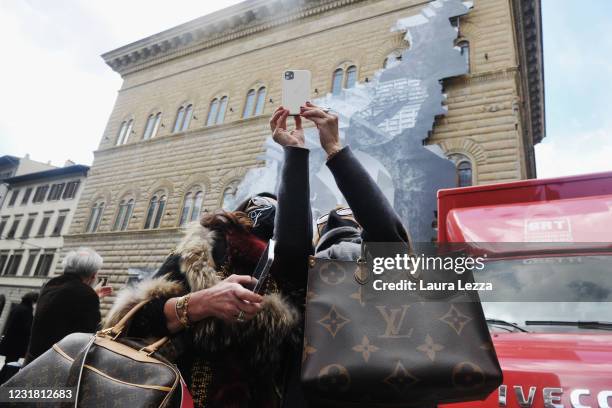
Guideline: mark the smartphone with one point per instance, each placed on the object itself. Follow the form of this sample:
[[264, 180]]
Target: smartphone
[[103, 280], [262, 269], [296, 89]]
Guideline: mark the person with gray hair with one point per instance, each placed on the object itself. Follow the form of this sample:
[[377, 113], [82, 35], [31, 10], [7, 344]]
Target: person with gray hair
[[68, 303]]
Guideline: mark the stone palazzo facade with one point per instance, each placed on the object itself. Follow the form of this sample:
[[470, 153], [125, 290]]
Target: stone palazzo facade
[[191, 116]]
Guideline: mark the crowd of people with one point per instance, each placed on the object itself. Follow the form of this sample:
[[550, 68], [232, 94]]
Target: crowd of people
[[235, 347]]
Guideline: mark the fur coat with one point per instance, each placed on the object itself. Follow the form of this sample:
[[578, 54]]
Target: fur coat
[[255, 346]]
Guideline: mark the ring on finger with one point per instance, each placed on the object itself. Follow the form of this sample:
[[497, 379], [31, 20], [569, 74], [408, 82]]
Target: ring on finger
[[240, 317]]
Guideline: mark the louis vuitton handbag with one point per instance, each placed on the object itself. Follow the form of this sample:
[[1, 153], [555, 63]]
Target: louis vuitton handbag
[[102, 370], [392, 348]]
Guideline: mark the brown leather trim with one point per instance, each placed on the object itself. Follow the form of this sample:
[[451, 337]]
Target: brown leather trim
[[311, 261], [150, 387], [118, 328], [124, 350]]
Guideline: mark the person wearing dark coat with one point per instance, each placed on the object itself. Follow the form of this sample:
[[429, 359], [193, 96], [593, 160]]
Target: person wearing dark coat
[[68, 303], [233, 347], [17, 328]]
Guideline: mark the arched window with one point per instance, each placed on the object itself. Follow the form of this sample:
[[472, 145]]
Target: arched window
[[261, 100], [212, 112], [151, 212], [248, 104], [192, 205], [121, 134], [129, 130], [155, 212], [344, 79], [161, 206], [228, 201], [152, 125], [464, 46], [216, 112], [188, 116], [124, 214], [222, 110], [95, 216], [197, 205], [186, 211], [180, 115], [464, 169], [183, 117], [124, 132], [351, 77], [392, 59], [337, 81]]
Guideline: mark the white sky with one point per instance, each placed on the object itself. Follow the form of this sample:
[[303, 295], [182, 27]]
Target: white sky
[[57, 93]]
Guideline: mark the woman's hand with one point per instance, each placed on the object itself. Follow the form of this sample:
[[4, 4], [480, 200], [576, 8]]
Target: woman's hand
[[280, 134], [327, 124], [225, 301]]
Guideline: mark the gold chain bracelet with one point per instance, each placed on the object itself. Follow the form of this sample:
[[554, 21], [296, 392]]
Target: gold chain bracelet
[[180, 308]]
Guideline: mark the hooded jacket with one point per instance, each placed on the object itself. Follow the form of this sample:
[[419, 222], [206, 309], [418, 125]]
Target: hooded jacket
[[378, 220]]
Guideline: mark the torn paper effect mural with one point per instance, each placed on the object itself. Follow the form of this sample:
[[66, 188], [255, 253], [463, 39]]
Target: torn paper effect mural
[[385, 121]]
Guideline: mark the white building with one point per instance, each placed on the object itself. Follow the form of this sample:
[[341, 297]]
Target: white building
[[11, 166], [36, 212]]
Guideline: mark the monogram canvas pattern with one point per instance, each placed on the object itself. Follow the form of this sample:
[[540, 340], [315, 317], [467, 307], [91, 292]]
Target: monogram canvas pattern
[[367, 347], [109, 379], [333, 321]]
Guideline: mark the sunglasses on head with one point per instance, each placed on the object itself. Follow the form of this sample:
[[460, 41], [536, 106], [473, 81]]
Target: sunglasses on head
[[259, 201], [343, 211], [257, 206]]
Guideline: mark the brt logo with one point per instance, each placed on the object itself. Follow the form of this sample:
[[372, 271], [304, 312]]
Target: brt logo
[[548, 230]]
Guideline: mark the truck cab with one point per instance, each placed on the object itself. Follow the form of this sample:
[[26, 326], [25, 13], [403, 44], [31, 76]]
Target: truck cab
[[548, 245]]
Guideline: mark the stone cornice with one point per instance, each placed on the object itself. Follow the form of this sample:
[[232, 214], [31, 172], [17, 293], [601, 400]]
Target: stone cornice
[[231, 23], [528, 21], [131, 234], [202, 131]]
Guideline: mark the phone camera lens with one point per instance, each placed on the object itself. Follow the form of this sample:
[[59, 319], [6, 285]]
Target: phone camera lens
[[288, 75]]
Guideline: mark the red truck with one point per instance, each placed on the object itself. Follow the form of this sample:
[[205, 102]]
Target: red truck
[[555, 234]]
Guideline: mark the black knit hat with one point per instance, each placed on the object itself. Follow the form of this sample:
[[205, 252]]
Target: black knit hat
[[335, 221]]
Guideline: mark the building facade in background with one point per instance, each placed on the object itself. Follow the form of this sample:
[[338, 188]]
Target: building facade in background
[[192, 114], [34, 217], [11, 166]]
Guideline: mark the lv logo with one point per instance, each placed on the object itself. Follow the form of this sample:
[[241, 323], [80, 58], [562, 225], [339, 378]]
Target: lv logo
[[394, 319]]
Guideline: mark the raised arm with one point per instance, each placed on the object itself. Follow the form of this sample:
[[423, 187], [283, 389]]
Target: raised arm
[[293, 223], [370, 207]]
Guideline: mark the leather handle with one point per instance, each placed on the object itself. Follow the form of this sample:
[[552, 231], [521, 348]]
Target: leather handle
[[75, 373], [117, 329], [362, 274], [152, 348]]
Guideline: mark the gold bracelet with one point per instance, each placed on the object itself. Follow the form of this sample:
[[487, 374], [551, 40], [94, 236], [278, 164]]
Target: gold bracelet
[[180, 308], [332, 154]]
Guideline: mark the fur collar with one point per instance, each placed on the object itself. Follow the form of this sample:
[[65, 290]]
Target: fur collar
[[261, 338]]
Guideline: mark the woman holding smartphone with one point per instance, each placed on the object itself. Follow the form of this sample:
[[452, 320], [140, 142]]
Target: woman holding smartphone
[[234, 347]]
